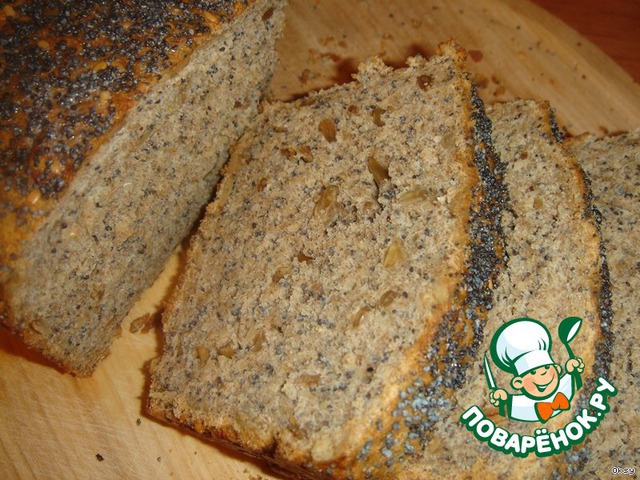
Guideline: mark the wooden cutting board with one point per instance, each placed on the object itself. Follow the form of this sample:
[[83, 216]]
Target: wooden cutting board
[[56, 426]]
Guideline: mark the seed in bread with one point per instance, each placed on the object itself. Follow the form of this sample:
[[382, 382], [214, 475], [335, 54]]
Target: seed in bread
[[355, 230], [116, 118], [554, 270], [613, 167]]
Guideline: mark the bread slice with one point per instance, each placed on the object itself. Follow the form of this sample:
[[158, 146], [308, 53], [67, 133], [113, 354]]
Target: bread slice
[[115, 120], [554, 270], [613, 166], [355, 230]]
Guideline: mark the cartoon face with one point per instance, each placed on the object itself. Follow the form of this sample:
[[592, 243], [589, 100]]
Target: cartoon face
[[540, 382]]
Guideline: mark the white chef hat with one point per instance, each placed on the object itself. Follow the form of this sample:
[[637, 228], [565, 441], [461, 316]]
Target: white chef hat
[[521, 345]]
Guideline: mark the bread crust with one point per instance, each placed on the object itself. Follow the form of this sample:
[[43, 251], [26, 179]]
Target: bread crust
[[71, 74], [465, 300], [549, 220], [74, 75], [610, 164]]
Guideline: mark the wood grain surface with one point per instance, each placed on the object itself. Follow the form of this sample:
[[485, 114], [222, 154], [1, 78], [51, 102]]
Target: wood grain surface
[[614, 26], [55, 426]]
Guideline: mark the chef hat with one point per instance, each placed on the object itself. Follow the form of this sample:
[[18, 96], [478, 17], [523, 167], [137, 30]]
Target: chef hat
[[521, 345]]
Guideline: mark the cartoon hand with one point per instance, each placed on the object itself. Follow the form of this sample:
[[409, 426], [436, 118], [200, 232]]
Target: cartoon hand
[[574, 364], [497, 396]]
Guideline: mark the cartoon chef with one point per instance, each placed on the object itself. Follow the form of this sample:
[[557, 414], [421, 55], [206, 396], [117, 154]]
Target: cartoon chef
[[522, 348]]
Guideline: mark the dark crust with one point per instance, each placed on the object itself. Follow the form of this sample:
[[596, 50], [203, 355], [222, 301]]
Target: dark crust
[[604, 345], [69, 72], [58, 103], [601, 366], [473, 299], [448, 365], [555, 129], [455, 345], [222, 438], [578, 457]]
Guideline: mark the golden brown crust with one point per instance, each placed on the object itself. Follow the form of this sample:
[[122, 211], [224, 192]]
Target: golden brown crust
[[68, 79]]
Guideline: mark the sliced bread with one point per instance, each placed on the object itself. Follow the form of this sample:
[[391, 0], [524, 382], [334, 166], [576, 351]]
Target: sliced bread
[[554, 270], [354, 230], [115, 119], [613, 166]]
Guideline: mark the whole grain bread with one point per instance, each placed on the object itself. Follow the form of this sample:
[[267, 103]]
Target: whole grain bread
[[555, 269], [352, 245], [116, 118], [613, 166]]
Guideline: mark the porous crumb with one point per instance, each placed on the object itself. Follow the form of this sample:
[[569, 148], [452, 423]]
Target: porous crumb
[[553, 270], [609, 162], [314, 294], [114, 147]]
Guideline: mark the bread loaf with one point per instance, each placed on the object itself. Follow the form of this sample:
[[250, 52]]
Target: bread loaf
[[115, 118], [613, 166], [351, 248]]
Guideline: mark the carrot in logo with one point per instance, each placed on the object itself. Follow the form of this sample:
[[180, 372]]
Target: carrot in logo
[[522, 348]]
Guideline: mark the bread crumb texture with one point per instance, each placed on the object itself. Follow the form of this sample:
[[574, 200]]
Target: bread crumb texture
[[554, 270], [340, 237], [114, 128], [613, 166], [72, 71]]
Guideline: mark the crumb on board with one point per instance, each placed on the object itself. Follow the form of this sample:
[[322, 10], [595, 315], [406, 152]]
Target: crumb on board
[[499, 91], [325, 56], [324, 41], [482, 81], [143, 323], [99, 457], [306, 75], [476, 55]]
